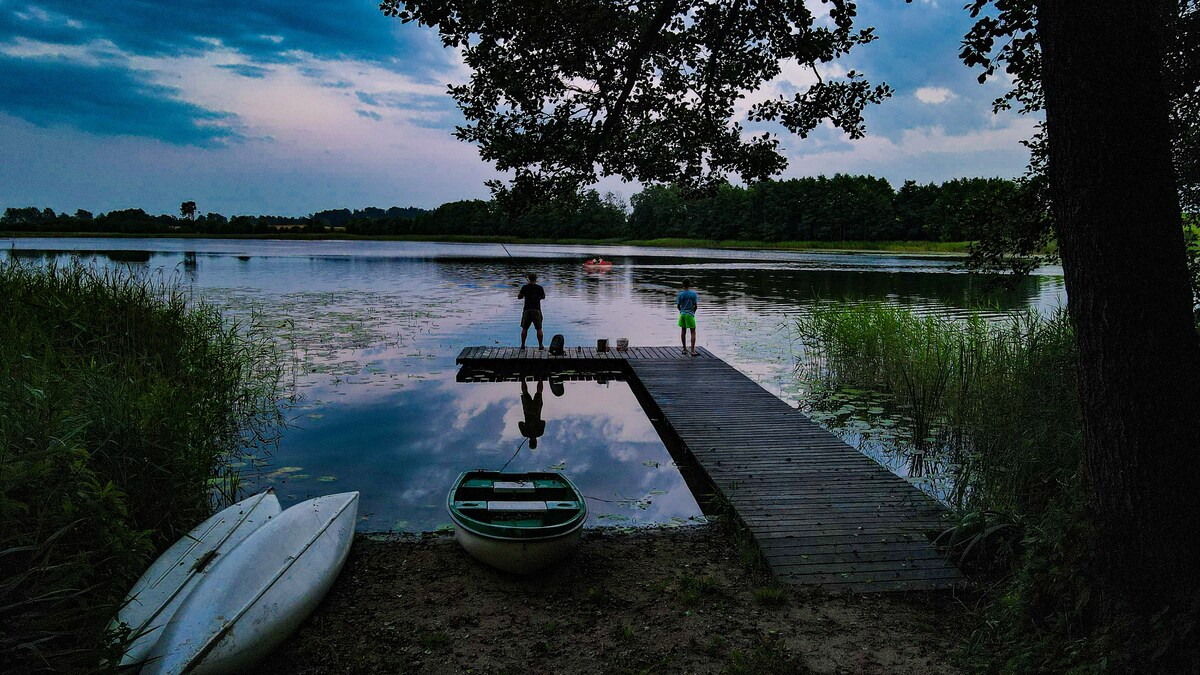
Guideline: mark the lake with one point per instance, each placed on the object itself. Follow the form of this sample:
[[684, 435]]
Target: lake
[[372, 330]]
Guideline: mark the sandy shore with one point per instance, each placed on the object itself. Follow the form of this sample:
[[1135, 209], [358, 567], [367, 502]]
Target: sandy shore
[[684, 600]]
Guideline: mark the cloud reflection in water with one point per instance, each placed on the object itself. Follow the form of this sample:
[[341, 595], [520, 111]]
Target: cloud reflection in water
[[403, 450]]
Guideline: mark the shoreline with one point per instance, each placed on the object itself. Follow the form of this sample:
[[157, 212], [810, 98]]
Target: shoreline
[[950, 249], [667, 600]]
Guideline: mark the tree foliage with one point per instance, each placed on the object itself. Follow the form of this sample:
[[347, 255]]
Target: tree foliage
[[1005, 38], [839, 208], [564, 90]]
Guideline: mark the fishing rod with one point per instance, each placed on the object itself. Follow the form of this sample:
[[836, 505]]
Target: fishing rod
[[510, 255]]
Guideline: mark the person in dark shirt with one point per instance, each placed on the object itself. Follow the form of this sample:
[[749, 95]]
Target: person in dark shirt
[[533, 426], [532, 314]]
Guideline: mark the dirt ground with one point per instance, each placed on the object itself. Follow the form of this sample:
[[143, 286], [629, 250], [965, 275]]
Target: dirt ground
[[686, 600]]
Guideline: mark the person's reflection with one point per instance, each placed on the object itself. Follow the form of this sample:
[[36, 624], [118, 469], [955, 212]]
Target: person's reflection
[[533, 426]]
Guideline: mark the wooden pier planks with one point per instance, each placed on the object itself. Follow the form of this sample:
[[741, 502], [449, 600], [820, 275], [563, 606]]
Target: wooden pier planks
[[820, 511], [482, 356]]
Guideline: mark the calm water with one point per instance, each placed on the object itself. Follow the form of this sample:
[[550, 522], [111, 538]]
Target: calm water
[[374, 328]]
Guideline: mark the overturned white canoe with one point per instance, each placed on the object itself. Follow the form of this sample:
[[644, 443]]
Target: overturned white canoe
[[252, 600], [155, 597]]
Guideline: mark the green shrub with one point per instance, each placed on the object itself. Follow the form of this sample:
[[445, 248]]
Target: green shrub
[[125, 410]]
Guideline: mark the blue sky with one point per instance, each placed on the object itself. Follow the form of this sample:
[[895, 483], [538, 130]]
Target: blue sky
[[297, 106]]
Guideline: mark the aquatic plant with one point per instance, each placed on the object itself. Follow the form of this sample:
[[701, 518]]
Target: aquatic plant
[[996, 404], [990, 402], [125, 409]]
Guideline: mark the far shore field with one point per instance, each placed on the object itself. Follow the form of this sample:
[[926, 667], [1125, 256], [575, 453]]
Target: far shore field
[[954, 248], [684, 600]]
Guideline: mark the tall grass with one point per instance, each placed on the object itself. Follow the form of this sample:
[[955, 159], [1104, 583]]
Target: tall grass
[[994, 401], [125, 410]]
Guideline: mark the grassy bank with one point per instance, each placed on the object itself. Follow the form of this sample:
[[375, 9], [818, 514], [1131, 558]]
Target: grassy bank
[[942, 247], [124, 412]]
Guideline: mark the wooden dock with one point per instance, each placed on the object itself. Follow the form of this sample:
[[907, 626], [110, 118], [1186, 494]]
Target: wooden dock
[[819, 510]]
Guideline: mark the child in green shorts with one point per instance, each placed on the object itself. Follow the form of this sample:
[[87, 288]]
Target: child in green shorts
[[686, 302]]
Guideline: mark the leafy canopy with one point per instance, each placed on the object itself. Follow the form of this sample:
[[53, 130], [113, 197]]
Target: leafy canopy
[[563, 91], [1005, 37]]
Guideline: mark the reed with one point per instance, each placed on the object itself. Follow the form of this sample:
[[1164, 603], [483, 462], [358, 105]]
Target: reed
[[993, 405], [126, 410], [992, 402]]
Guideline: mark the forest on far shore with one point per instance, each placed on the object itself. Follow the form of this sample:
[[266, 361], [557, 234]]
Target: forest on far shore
[[841, 208]]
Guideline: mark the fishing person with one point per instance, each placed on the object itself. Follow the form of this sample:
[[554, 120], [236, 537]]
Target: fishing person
[[533, 425], [533, 294], [686, 303]]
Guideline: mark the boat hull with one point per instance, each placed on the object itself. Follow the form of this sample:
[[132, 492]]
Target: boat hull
[[517, 522], [164, 587], [518, 556], [261, 592]]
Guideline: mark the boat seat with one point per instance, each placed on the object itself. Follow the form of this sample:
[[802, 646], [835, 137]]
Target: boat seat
[[524, 507], [512, 486], [518, 486]]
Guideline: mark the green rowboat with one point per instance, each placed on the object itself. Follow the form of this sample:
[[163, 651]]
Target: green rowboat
[[516, 522]]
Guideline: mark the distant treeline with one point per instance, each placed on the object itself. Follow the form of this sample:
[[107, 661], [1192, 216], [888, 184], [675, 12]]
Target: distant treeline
[[841, 208]]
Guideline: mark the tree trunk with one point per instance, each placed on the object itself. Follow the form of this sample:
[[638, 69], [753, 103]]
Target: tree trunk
[[1118, 219]]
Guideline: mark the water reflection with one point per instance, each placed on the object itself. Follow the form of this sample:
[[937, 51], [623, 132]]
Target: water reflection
[[371, 330], [403, 450], [123, 256], [533, 426]]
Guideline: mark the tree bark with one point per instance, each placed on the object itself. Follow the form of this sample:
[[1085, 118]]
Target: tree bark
[[1117, 212]]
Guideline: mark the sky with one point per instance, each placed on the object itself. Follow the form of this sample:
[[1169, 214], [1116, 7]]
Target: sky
[[294, 106]]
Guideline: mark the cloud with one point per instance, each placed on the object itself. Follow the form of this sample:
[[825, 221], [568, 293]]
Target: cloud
[[246, 70], [332, 103], [265, 31], [933, 95], [106, 99], [297, 52], [923, 153], [36, 23]]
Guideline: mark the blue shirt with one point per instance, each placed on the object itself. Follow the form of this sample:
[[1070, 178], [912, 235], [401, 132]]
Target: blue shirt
[[686, 302]]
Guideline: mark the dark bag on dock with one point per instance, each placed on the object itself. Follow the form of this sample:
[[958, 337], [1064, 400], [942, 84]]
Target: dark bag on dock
[[556, 345]]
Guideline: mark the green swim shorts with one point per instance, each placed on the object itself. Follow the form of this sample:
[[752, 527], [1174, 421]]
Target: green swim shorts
[[687, 321]]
